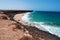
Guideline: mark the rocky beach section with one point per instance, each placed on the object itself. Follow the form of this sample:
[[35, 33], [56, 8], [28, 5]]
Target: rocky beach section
[[12, 29]]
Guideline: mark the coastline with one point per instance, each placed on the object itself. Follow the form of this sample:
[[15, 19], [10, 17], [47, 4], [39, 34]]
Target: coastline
[[19, 17], [30, 24], [14, 30]]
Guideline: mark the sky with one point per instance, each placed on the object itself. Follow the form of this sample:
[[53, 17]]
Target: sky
[[41, 5]]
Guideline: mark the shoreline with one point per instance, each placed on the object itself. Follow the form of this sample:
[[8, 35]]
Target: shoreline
[[41, 27], [13, 30], [32, 24], [19, 19]]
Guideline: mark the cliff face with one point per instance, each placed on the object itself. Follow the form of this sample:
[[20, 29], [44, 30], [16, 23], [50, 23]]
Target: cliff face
[[13, 30]]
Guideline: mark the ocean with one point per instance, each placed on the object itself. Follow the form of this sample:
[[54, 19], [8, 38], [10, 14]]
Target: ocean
[[50, 21]]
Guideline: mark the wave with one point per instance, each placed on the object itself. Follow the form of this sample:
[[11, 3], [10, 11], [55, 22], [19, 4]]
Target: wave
[[52, 29], [42, 25], [25, 17], [49, 28]]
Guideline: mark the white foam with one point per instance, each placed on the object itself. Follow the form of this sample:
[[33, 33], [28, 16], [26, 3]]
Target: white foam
[[52, 29], [25, 17], [38, 25]]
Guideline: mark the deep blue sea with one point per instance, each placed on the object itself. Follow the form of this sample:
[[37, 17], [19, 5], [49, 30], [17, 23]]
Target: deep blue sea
[[45, 19]]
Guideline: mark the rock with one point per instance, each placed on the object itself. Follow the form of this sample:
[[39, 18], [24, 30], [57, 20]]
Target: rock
[[3, 16], [27, 38]]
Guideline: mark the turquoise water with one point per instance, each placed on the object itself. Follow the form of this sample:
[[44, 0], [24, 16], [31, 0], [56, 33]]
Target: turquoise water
[[47, 20]]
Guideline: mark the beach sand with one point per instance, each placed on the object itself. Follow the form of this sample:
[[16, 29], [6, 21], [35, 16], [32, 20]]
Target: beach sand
[[18, 17]]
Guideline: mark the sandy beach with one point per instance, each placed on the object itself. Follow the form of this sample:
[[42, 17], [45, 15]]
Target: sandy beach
[[18, 16]]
